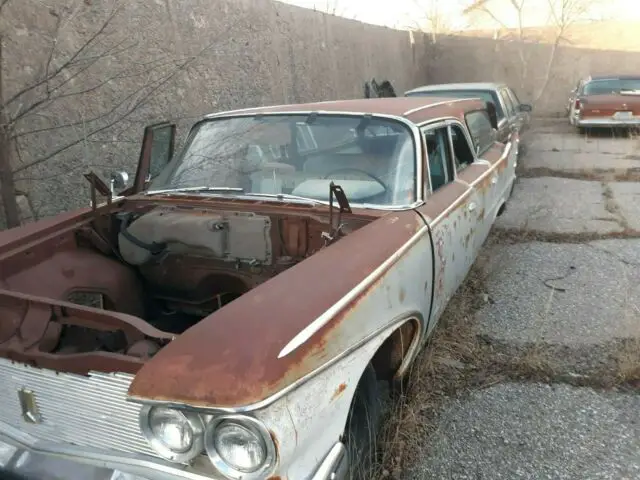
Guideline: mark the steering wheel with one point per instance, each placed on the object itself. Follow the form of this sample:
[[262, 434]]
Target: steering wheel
[[351, 169]]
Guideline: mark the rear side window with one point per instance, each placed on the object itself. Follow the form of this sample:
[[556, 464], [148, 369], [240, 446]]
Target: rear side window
[[481, 130]]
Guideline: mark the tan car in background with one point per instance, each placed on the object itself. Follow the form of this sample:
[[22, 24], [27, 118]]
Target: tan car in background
[[607, 101]]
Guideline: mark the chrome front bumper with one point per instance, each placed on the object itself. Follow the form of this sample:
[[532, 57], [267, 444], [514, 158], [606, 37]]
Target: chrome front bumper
[[607, 122], [44, 461]]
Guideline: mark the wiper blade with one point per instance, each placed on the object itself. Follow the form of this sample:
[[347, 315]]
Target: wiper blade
[[286, 196], [202, 188]]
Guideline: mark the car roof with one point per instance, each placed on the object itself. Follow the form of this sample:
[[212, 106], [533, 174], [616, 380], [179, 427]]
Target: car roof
[[611, 77], [414, 109], [457, 86]]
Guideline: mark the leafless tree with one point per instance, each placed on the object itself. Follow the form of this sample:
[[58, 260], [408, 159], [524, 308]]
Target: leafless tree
[[562, 15], [103, 62], [433, 20]]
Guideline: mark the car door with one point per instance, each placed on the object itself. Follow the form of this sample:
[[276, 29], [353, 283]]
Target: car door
[[452, 210], [501, 160]]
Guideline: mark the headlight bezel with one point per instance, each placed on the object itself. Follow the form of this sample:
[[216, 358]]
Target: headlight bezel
[[249, 423], [193, 419]]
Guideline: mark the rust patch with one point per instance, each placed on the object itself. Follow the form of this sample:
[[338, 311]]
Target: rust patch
[[402, 295], [341, 388], [231, 357]]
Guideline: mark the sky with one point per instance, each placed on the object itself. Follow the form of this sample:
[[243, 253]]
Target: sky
[[412, 13]]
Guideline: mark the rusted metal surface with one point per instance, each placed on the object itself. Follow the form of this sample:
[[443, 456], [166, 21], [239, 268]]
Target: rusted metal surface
[[608, 105], [396, 106], [30, 329], [231, 358]]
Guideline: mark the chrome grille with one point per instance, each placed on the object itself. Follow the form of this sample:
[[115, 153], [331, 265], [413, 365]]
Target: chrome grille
[[89, 411]]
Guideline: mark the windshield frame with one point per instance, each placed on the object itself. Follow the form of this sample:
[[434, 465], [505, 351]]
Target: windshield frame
[[413, 129]]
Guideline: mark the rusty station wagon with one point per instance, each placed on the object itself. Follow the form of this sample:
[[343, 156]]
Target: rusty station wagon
[[235, 312], [606, 101]]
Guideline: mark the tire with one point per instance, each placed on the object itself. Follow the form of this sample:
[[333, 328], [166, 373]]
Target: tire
[[363, 426]]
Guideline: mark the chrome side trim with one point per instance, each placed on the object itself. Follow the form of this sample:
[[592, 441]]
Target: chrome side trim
[[437, 104], [335, 465], [408, 316], [307, 332]]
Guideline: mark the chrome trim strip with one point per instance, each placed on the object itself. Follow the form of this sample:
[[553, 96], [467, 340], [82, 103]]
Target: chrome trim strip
[[437, 104], [405, 317], [307, 332], [335, 464]]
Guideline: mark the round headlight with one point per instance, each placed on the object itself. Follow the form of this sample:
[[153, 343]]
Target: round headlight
[[174, 434], [171, 428], [240, 447]]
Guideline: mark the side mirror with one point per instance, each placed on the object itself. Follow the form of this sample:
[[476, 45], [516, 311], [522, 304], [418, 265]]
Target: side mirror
[[525, 107], [118, 181]]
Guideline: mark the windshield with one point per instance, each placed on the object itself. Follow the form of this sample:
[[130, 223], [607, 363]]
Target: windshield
[[372, 159], [486, 95], [612, 85]]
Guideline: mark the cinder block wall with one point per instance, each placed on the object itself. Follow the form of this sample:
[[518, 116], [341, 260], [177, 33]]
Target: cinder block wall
[[260, 52], [256, 52]]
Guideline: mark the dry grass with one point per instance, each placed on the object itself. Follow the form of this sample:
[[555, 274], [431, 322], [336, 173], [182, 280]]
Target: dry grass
[[457, 361]]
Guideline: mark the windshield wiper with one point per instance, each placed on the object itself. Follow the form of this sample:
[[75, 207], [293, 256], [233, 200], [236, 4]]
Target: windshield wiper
[[202, 188], [285, 196]]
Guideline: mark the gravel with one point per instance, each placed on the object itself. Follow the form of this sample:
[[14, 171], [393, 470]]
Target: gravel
[[535, 431], [599, 303], [559, 205]]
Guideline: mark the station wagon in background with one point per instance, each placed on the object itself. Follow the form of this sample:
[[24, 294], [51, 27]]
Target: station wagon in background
[[512, 115], [606, 101], [240, 314]]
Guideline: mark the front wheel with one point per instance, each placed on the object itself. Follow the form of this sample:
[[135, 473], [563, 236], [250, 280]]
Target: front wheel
[[363, 426]]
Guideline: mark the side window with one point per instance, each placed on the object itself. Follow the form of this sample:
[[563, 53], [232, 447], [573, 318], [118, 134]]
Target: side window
[[439, 156], [462, 153], [480, 129], [514, 98], [508, 103]]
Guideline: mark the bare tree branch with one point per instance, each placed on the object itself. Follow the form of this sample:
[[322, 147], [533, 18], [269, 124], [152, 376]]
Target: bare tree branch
[[49, 76], [135, 106]]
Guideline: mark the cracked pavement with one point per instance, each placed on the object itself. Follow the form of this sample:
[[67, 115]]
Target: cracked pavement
[[578, 303]]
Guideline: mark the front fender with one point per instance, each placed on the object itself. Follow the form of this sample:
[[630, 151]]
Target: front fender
[[320, 406]]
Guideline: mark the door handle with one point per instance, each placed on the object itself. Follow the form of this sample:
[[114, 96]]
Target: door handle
[[494, 180], [471, 207]]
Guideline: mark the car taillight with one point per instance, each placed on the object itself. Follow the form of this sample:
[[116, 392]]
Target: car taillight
[[577, 105]]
